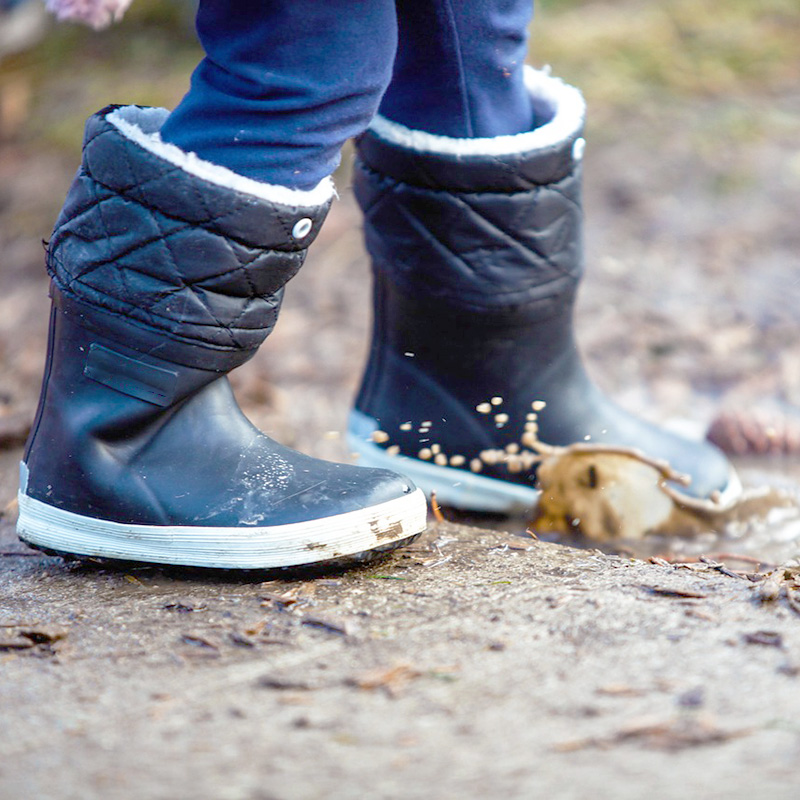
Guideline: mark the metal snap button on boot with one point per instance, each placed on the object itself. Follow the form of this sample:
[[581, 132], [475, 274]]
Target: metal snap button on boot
[[302, 228]]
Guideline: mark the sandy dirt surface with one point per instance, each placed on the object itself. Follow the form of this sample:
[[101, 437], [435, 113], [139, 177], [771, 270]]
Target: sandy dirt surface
[[472, 664], [478, 661]]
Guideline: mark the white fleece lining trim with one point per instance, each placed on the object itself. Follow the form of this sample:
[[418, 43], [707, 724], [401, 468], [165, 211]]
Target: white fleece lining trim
[[142, 126], [563, 105]]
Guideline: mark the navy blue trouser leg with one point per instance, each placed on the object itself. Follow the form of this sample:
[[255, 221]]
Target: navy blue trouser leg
[[459, 68], [286, 82]]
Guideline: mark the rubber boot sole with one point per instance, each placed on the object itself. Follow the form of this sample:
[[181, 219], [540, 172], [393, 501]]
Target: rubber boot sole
[[343, 537]]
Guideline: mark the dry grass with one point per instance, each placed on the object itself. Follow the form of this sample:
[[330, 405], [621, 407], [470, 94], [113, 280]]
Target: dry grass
[[147, 59], [627, 53]]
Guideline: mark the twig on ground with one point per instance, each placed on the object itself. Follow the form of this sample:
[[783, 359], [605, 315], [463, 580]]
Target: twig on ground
[[742, 557], [436, 509], [721, 568]]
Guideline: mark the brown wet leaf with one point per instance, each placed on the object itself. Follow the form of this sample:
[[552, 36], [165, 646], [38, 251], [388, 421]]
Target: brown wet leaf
[[392, 680], [299, 593], [619, 690], [255, 630], [671, 735], [282, 602]]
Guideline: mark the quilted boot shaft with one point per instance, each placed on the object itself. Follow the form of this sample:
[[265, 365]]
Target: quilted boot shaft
[[477, 255], [474, 235], [163, 254]]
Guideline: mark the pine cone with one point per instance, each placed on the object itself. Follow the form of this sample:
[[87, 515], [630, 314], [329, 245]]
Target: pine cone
[[759, 432]]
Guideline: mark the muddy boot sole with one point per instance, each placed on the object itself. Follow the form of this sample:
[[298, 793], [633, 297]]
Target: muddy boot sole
[[343, 538]]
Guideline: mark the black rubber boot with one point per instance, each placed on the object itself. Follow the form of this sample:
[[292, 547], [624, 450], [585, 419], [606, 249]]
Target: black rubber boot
[[476, 249], [168, 272]]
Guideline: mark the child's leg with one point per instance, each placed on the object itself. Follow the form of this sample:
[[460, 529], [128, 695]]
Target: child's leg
[[284, 84], [459, 67]]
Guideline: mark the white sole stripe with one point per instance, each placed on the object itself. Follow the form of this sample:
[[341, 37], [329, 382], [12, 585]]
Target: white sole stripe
[[264, 547]]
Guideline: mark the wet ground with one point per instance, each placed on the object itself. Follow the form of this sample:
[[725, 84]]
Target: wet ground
[[478, 661], [472, 664]]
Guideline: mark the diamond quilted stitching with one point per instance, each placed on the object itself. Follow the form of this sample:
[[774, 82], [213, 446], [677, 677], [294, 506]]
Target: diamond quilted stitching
[[144, 240], [482, 248]]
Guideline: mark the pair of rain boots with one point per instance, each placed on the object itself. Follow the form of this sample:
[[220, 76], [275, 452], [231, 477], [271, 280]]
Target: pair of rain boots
[[168, 272]]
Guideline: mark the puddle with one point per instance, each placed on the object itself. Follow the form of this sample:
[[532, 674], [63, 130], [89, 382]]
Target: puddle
[[763, 530]]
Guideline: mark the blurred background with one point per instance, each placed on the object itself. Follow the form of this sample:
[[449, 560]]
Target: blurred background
[[692, 296]]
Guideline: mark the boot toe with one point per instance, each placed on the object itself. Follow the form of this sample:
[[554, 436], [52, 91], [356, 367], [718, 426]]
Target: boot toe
[[343, 489]]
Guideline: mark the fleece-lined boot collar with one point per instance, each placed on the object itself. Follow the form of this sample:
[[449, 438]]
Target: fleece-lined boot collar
[[544, 155]]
